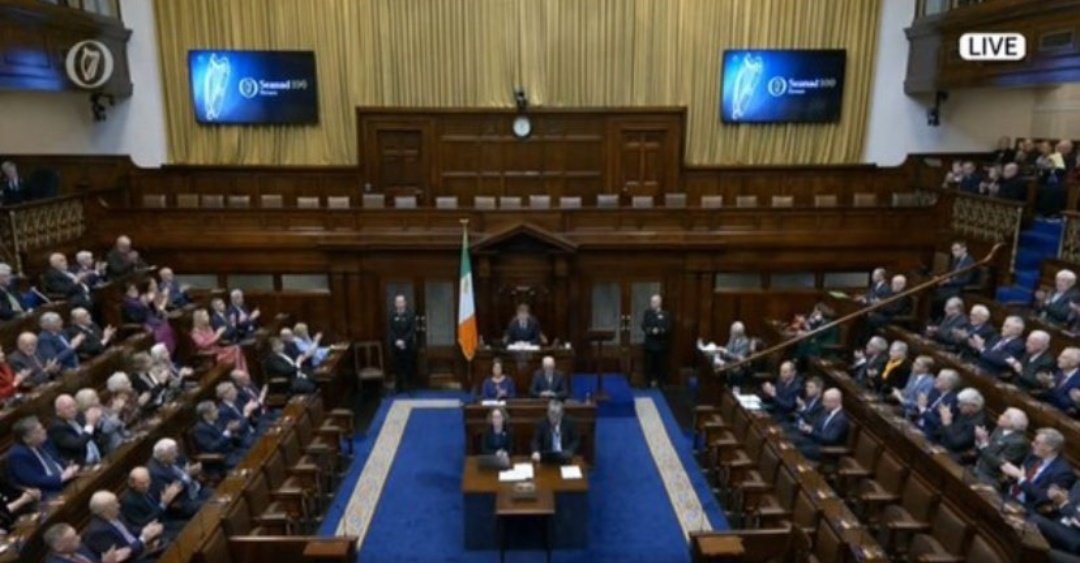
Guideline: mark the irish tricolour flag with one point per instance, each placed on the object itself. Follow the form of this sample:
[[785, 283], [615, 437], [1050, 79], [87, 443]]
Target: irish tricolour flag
[[466, 329]]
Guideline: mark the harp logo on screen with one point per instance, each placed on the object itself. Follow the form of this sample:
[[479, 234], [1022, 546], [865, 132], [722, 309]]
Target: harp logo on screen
[[89, 64]]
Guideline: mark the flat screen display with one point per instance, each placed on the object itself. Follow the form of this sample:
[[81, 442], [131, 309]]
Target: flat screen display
[[782, 86], [253, 87]]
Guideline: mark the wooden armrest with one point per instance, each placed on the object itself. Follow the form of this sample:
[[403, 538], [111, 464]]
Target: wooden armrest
[[939, 558], [834, 451], [908, 526], [213, 459], [755, 487], [853, 472], [878, 498]]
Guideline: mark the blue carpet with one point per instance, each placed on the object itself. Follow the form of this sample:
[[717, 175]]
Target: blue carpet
[[1036, 244], [419, 517], [620, 396]]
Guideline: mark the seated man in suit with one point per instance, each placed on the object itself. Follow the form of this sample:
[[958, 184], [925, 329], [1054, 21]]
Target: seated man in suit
[[60, 281], [168, 285], [73, 434], [897, 369], [278, 364], [1060, 524], [870, 361], [954, 322], [1036, 359], [54, 345], [830, 429], [27, 358], [231, 408], [928, 408], [107, 530], [1053, 306], [920, 382], [548, 383], [957, 432], [876, 320], [809, 406], [65, 546], [248, 393], [994, 355], [32, 461], [166, 467], [952, 286], [978, 325], [219, 317], [245, 321], [1030, 482], [1055, 389], [878, 290], [213, 437], [122, 260], [782, 397], [524, 328], [91, 271], [11, 305], [556, 434], [1006, 444], [95, 340], [1013, 187], [140, 507], [303, 357]]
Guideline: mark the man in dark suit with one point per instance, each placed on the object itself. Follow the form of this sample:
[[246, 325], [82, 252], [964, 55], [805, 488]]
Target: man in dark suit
[[33, 463], [139, 507], [167, 467], [957, 432], [870, 361], [122, 259], [53, 344], [61, 282], [876, 320], [1055, 389], [95, 340], [219, 318], [994, 355], [211, 437], [1054, 306], [1036, 360], [555, 434], [65, 546], [278, 364], [954, 323], [878, 290], [782, 397], [402, 340], [73, 433], [1006, 444], [547, 383], [1013, 187], [920, 382], [176, 292], [1031, 481], [248, 393], [810, 407], [830, 429], [245, 321], [969, 180], [232, 409], [656, 323], [14, 189], [11, 305], [928, 408], [952, 286], [91, 272], [26, 358], [107, 530], [524, 328], [1061, 523], [978, 326]]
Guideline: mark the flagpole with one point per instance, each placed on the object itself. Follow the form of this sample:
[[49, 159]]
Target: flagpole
[[468, 360]]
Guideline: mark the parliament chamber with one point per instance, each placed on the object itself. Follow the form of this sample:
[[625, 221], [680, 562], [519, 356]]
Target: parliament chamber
[[560, 280]]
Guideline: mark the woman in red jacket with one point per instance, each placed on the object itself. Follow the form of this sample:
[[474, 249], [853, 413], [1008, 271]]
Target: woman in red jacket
[[9, 380]]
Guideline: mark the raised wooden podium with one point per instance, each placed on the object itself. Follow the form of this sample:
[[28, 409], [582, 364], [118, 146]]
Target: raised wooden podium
[[519, 365]]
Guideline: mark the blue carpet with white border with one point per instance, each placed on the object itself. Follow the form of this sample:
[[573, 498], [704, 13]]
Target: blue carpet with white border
[[402, 495]]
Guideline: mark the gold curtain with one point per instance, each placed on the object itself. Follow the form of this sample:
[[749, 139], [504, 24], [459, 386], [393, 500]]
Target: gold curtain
[[470, 53]]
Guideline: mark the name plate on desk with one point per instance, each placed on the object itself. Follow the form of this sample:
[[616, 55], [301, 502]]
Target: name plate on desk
[[523, 491]]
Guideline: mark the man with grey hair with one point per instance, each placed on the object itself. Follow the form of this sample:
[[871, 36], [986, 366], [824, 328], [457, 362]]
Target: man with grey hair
[[61, 283], [978, 325], [548, 382], [994, 356], [870, 362], [1036, 359], [954, 320], [245, 321], [881, 317], [166, 467], [95, 340], [65, 544], [1007, 443], [53, 344], [211, 437], [11, 305], [1013, 187], [91, 271], [878, 290], [26, 358], [168, 284], [108, 530], [122, 260], [929, 408], [656, 324], [139, 507], [556, 435], [32, 463], [1056, 388], [1044, 468], [958, 431], [73, 433], [1054, 305], [232, 410]]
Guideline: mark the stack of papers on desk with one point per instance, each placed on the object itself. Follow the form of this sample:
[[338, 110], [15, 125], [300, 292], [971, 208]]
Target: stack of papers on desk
[[492, 403], [520, 472], [749, 402], [570, 472], [522, 346]]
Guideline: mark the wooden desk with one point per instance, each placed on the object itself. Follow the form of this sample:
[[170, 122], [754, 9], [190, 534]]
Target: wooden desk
[[524, 415], [508, 508], [519, 366], [481, 488]]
